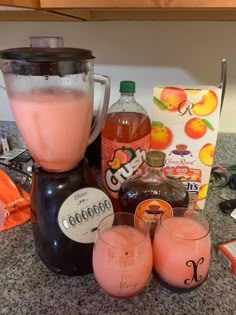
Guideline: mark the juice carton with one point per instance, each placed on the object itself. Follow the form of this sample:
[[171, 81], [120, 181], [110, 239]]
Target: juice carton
[[185, 126]]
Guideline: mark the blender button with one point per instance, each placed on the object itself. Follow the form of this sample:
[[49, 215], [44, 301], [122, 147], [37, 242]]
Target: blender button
[[101, 206], [65, 224], [107, 204], [72, 221]]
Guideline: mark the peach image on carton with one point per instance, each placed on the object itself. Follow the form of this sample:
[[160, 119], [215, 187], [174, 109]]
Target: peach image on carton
[[206, 154], [161, 136], [207, 104], [172, 97], [203, 191], [196, 127]]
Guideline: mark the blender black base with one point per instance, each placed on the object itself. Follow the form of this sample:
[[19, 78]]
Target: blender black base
[[49, 191], [63, 272], [67, 272]]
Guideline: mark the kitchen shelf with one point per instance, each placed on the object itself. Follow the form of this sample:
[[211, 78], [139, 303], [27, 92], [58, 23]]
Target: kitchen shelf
[[149, 15], [33, 15], [138, 4], [118, 10]]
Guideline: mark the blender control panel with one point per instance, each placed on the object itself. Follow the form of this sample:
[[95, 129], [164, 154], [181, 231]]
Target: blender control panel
[[81, 212]]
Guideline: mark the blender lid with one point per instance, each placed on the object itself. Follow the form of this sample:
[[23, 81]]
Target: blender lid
[[46, 54]]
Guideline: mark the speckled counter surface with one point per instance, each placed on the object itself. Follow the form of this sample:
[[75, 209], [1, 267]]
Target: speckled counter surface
[[28, 287]]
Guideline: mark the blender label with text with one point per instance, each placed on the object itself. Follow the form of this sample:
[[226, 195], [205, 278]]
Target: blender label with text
[[81, 212]]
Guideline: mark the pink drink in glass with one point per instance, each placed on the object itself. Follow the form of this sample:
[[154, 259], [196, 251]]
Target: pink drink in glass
[[55, 126], [181, 250], [122, 259]]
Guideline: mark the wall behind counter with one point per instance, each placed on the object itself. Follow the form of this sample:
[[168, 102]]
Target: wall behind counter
[[180, 53]]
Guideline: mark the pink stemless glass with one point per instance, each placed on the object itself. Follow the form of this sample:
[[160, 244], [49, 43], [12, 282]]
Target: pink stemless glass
[[181, 249], [122, 255]]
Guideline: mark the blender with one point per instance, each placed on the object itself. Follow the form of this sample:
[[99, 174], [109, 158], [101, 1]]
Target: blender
[[50, 92]]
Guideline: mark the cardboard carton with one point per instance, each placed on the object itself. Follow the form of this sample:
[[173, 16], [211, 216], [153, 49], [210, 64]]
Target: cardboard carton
[[185, 126]]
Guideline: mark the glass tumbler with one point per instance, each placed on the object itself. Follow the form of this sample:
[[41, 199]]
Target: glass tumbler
[[122, 255], [181, 249]]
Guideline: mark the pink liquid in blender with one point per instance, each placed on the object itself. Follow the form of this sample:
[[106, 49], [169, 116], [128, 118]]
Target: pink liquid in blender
[[181, 250], [55, 126], [122, 260]]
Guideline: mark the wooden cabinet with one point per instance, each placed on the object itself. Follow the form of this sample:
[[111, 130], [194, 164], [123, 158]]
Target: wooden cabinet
[[138, 4], [100, 10], [21, 3], [29, 10]]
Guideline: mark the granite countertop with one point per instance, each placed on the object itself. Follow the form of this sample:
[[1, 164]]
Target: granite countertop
[[28, 287]]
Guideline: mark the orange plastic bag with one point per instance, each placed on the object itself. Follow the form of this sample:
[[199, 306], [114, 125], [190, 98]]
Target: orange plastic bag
[[16, 202]]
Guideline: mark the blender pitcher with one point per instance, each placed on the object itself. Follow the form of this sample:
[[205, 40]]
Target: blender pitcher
[[50, 92]]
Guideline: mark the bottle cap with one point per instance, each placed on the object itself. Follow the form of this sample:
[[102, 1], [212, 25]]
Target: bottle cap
[[156, 158], [127, 87]]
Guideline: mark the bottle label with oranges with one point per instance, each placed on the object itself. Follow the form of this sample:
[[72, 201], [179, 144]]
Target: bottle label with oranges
[[150, 211], [184, 125], [122, 160]]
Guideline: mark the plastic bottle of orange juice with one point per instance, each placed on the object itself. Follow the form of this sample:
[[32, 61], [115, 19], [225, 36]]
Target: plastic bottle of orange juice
[[125, 140]]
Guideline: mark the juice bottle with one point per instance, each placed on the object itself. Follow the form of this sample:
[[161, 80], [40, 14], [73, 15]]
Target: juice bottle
[[149, 194], [125, 139]]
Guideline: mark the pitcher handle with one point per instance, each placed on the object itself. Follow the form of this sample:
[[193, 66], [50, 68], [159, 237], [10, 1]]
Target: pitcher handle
[[103, 106]]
